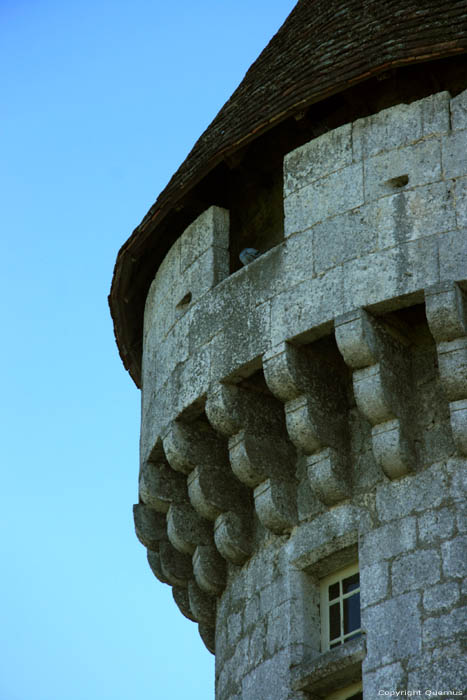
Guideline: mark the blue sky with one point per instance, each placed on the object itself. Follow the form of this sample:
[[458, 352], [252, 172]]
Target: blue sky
[[100, 103]]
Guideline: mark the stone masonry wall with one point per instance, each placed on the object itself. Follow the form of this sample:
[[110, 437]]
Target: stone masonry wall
[[311, 409]]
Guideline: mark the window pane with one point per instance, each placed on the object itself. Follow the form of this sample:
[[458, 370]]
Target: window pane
[[334, 621], [351, 583], [352, 613], [334, 591]]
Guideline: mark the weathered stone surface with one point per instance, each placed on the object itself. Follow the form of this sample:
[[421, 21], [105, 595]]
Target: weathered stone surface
[[321, 156], [383, 624], [159, 486], [387, 541], [455, 154], [374, 581], [441, 597], [420, 162], [186, 529], [333, 194], [415, 570], [417, 493], [455, 557], [149, 525]]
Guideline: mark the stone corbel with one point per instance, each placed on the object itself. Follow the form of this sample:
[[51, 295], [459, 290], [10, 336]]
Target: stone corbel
[[260, 453], [159, 485], [446, 310], [209, 569], [213, 491], [208, 635], [186, 529], [382, 383], [232, 535], [316, 415], [150, 526], [176, 568], [202, 605], [180, 596]]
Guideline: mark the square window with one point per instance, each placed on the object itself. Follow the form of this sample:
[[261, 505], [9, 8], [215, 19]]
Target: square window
[[340, 608]]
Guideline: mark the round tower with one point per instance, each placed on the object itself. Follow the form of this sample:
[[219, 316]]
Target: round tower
[[304, 408]]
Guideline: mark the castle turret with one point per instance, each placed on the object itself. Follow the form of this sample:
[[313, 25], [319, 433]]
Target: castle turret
[[304, 407]]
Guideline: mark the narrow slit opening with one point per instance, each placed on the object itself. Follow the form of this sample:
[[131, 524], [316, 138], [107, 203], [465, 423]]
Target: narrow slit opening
[[185, 301], [398, 182]]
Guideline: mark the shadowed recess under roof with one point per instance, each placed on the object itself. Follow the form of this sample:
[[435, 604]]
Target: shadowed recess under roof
[[324, 48]]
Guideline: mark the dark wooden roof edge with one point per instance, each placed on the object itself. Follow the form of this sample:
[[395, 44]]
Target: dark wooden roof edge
[[122, 302]]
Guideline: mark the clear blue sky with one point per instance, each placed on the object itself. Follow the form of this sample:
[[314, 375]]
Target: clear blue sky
[[100, 103]]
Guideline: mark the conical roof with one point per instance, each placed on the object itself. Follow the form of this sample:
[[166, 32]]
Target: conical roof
[[323, 48]]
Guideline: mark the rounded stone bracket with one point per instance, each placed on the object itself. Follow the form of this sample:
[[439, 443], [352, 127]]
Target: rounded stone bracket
[[256, 458], [316, 415], [186, 447], [275, 504], [328, 476], [180, 596], [186, 529], [382, 382], [213, 491], [202, 605], [159, 486], [232, 535], [150, 526], [209, 569], [176, 567]]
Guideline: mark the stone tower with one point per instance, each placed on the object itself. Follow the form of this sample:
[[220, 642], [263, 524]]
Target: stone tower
[[304, 417]]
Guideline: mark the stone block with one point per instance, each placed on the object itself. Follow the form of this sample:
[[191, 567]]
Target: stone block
[[461, 517], [335, 530], [401, 125], [457, 467], [453, 255], [374, 580], [211, 228], [388, 541], [269, 679], [454, 154], [454, 555], [415, 570], [435, 525], [441, 597], [391, 128], [308, 305], [390, 273], [459, 188], [323, 155], [388, 678], [436, 113], [414, 214], [438, 673], [191, 380], [393, 630], [343, 237], [445, 627], [419, 163], [333, 194], [416, 493], [459, 111], [240, 344]]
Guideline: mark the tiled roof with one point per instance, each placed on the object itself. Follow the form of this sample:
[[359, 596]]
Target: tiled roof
[[323, 48]]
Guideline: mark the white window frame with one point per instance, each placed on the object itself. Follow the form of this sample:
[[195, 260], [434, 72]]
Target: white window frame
[[346, 693], [324, 584]]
